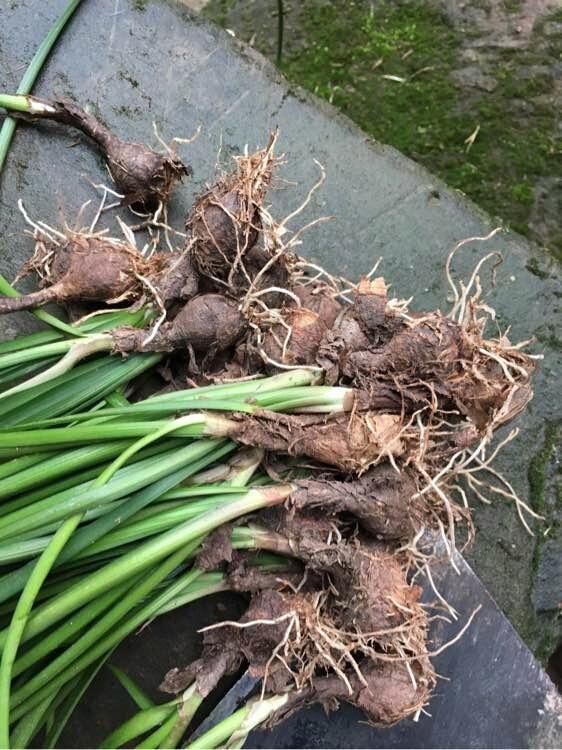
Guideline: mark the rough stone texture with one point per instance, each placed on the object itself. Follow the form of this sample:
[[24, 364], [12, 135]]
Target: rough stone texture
[[547, 588], [552, 28], [501, 23], [138, 62], [472, 77]]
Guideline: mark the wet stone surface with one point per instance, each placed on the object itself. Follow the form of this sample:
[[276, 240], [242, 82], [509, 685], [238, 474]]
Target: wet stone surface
[[154, 62]]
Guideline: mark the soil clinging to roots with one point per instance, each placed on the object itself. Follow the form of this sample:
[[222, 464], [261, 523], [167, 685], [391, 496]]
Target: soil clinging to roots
[[349, 442], [363, 625], [386, 694], [381, 500]]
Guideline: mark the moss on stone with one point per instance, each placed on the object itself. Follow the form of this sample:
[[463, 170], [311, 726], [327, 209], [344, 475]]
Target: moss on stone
[[523, 192], [513, 6], [535, 267], [543, 630], [342, 50], [538, 465], [124, 76]]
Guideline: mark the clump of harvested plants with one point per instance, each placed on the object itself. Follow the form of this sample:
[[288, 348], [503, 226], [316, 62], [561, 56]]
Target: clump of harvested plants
[[353, 616], [409, 404]]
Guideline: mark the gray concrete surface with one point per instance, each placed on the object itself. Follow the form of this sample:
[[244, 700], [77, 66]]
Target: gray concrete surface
[[148, 60]]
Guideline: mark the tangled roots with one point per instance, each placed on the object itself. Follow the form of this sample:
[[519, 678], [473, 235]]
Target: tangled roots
[[226, 220]]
